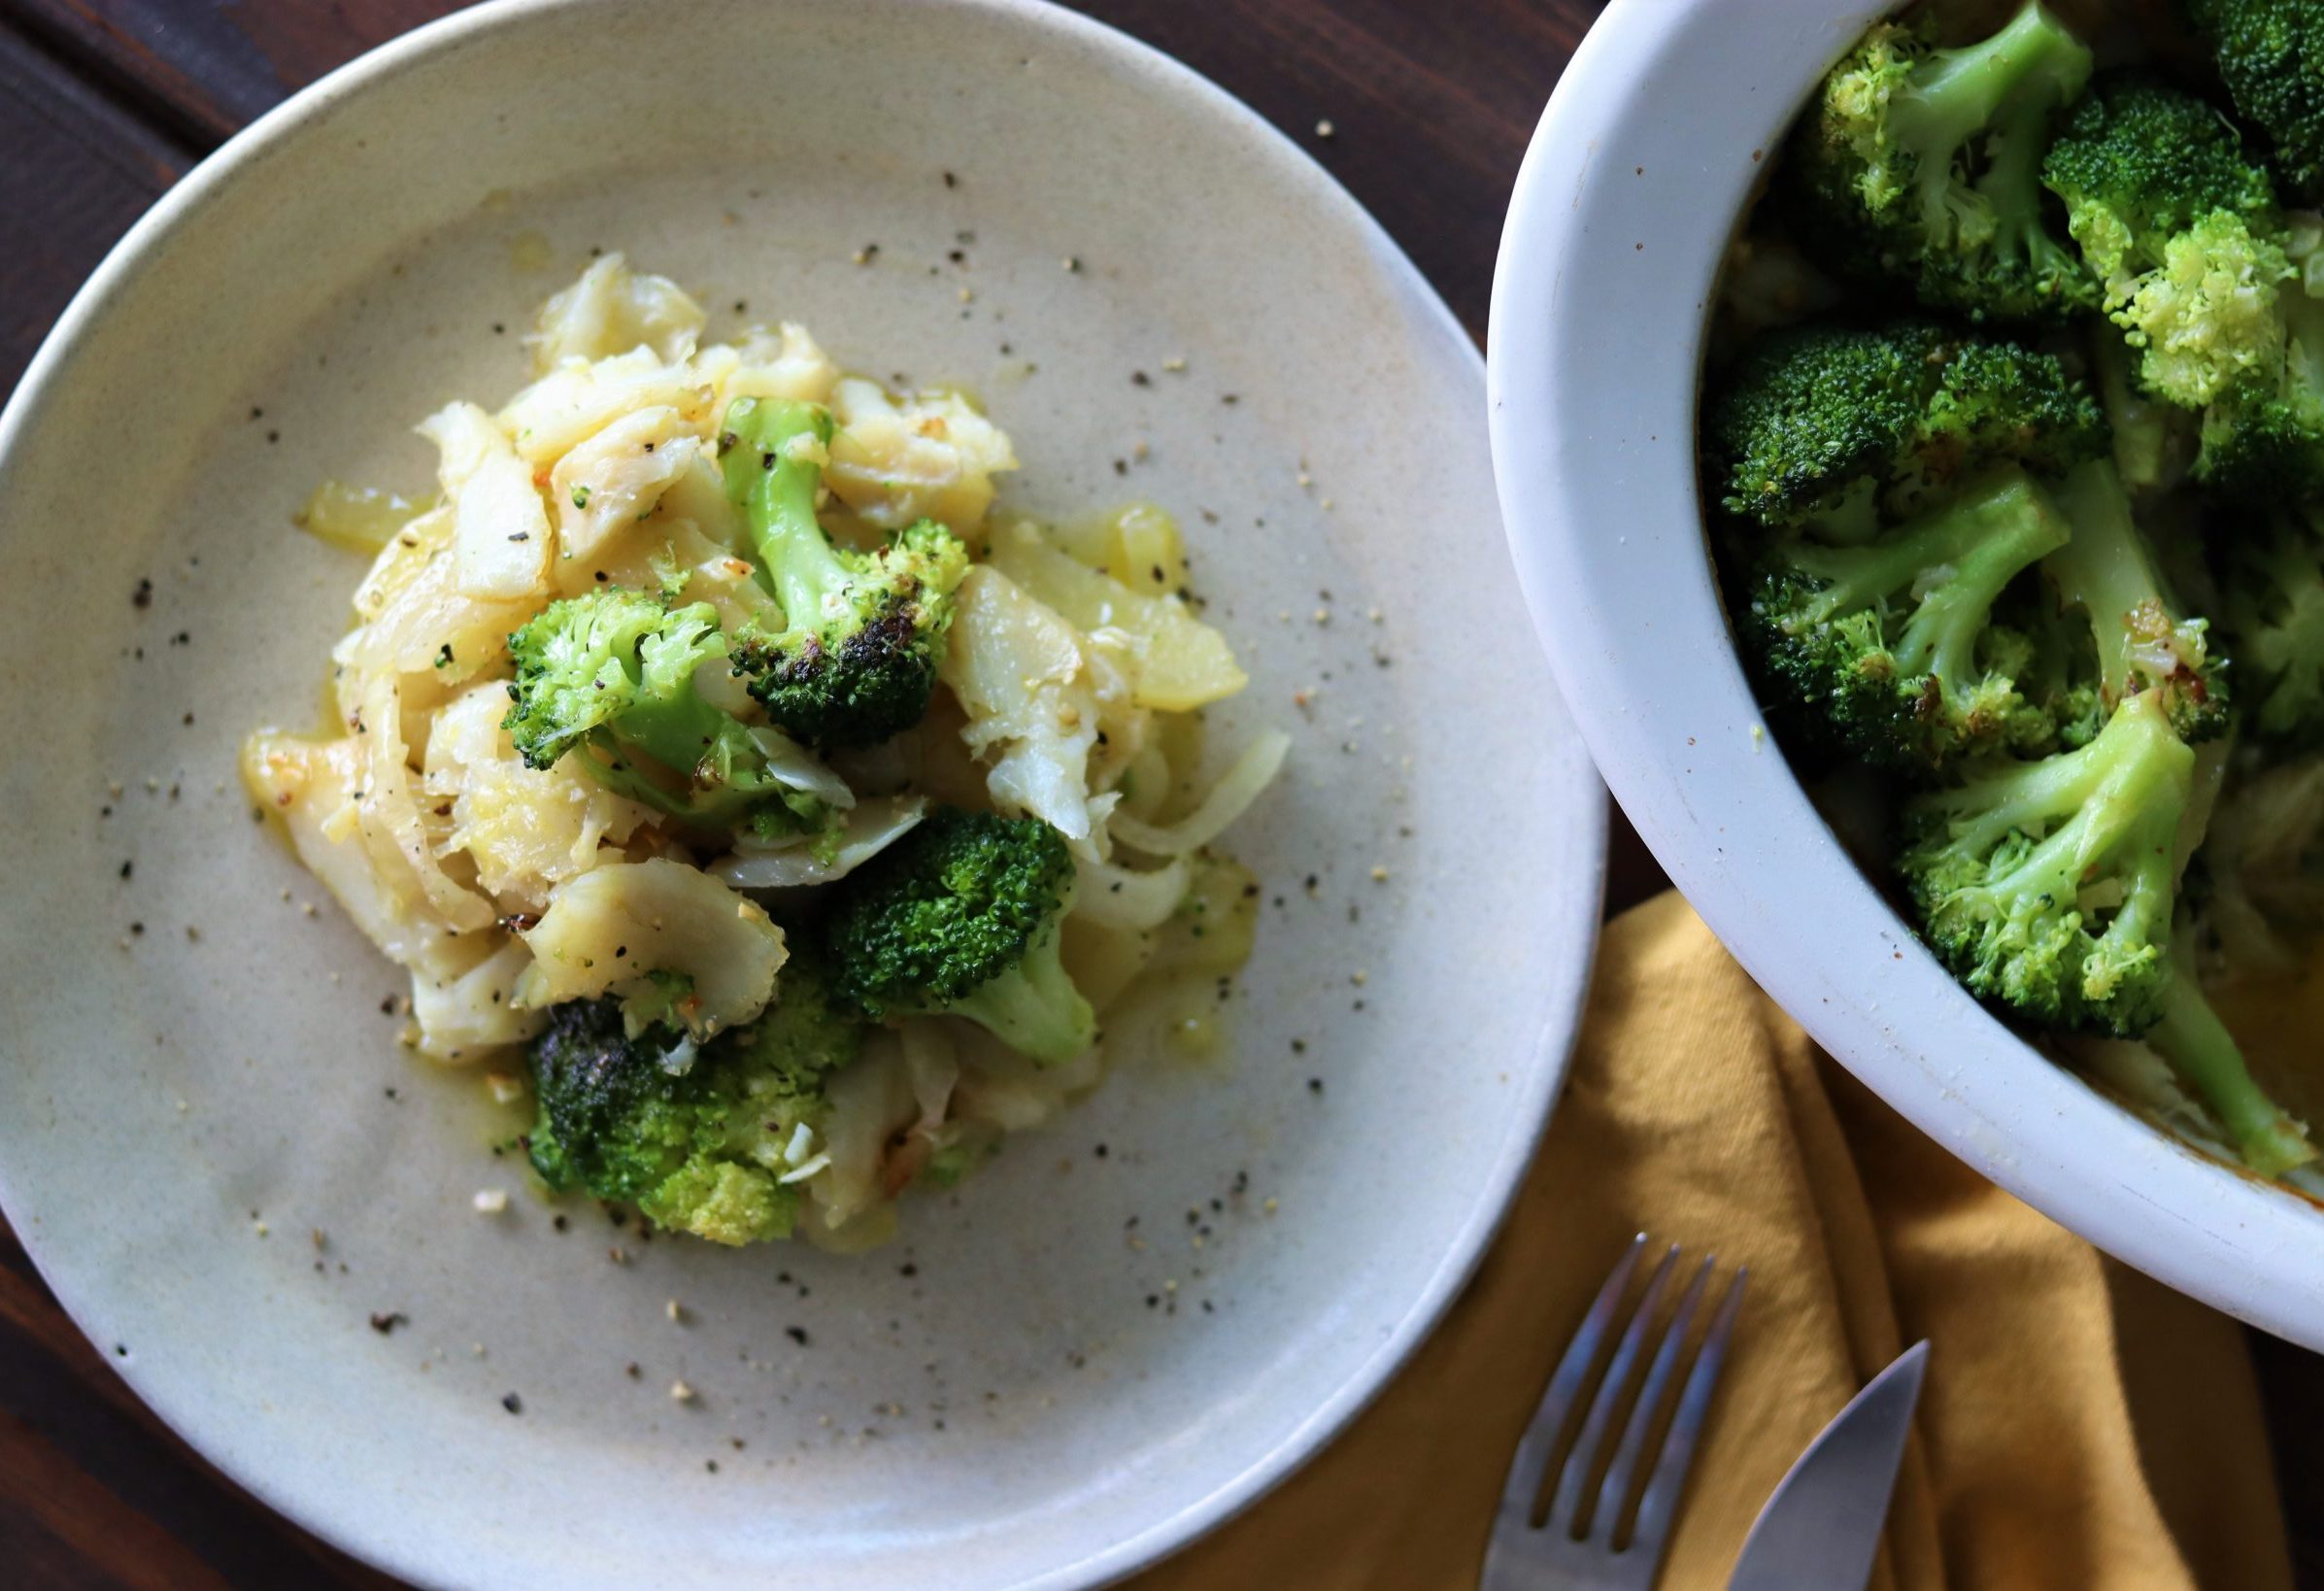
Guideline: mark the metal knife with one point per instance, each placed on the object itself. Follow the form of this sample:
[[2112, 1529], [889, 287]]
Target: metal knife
[[1822, 1528]]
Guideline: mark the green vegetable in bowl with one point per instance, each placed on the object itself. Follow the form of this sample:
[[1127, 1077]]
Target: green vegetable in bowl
[[1832, 427], [2180, 229], [1894, 639], [1923, 166], [2271, 55], [2048, 886]]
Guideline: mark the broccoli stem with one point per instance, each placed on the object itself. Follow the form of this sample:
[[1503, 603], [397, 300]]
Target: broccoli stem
[[774, 476], [1980, 542], [1959, 92], [2012, 181], [1033, 1006], [2197, 1045], [2105, 569], [2141, 426], [680, 734]]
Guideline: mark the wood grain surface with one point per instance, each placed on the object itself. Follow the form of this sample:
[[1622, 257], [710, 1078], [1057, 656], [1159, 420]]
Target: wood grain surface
[[105, 103]]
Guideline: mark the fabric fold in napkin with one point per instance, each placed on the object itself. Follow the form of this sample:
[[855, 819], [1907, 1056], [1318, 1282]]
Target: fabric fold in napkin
[[2081, 1425]]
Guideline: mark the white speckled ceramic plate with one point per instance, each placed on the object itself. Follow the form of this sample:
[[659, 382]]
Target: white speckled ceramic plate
[[208, 1136]]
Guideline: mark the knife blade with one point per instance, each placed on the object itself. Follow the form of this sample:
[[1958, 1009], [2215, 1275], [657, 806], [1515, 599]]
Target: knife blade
[[1822, 1527]]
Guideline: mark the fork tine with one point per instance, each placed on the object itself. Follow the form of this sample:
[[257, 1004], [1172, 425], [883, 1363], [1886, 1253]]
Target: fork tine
[[1540, 1445], [1624, 1475], [1574, 1482], [1651, 1534]]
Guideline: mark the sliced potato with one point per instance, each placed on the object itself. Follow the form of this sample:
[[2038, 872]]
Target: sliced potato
[[610, 927], [528, 830], [577, 400], [927, 457], [612, 309], [618, 476], [308, 785], [784, 363], [389, 816], [500, 542], [466, 1014], [1020, 672], [1175, 661]]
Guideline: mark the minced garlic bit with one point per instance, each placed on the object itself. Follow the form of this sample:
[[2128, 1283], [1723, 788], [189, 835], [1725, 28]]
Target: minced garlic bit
[[506, 1088], [676, 1312], [490, 1201], [1174, 364], [1324, 128], [680, 1393], [1379, 875]]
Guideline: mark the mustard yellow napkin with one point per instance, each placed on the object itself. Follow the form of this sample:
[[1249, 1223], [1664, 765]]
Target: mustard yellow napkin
[[2081, 1425]]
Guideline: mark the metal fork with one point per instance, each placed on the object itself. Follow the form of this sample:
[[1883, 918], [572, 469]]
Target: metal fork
[[1578, 1538]]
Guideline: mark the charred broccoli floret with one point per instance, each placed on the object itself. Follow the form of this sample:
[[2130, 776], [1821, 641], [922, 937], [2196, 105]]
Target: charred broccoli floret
[[608, 677], [2180, 229], [960, 917], [1924, 166], [2048, 887], [1837, 427], [2271, 55], [863, 632], [704, 1140]]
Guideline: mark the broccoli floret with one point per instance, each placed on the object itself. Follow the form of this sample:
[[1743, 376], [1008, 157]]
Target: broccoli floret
[[2189, 1034], [2181, 231], [2273, 578], [1837, 427], [960, 917], [1924, 166], [2262, 439], [799, 1039], [2271, 55], [609, 677], [1894, 641], [2106, 573], [2047, 887], [701, 1140], [862, 631]]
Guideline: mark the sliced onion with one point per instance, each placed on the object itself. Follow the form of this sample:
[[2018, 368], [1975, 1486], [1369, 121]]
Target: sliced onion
[[1129, 898], [934, 1067], [797, 768], [870, 828], [1228, 800]]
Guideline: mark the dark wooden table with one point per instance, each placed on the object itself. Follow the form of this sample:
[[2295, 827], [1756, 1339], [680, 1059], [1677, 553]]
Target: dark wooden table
[[105, 103]]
